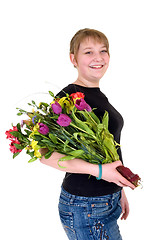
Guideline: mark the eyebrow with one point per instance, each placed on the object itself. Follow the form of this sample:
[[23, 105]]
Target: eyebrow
[[89, 48]]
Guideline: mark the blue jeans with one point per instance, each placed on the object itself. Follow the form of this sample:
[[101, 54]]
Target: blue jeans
[[90, 218]]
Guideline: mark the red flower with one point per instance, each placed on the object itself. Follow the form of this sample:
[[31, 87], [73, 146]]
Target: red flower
[[9, 135], [77, 95], [12, 148]]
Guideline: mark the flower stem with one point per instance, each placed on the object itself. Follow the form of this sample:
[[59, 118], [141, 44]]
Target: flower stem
[[78, 128]]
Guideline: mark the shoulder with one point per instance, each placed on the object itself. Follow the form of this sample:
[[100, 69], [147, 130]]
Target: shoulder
[[68, 89]]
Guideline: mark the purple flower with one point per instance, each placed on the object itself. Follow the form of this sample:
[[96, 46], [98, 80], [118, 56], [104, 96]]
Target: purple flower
[[43, 129], [56, 107], [82, 105], [64, 120]]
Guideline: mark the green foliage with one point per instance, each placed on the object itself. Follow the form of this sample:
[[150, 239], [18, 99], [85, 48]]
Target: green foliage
[[51, 93], [86, 137]]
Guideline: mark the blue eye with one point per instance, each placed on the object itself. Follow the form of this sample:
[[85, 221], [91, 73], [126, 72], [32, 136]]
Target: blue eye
[[104, 51]]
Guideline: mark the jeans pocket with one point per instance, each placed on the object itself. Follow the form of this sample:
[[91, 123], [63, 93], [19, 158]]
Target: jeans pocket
[[67, 223], [101, 209]]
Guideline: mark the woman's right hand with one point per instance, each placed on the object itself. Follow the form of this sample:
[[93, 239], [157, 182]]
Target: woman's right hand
[[110, 174]]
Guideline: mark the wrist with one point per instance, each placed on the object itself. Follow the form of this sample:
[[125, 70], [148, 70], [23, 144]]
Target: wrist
[[100, 172], [94, 170]]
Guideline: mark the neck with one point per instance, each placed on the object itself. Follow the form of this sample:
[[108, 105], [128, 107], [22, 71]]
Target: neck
[[86, 83]]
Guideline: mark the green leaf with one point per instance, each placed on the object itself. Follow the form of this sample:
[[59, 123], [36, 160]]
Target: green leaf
[[90, 116], [44, 104], [66, 144], [19, 114], [93, 115], [21, 110], [32, 159], [91, 119], [19, 127], [80, 135], [16, 134], [33, 102], [82, 125], [105, 120], [37, 137], [28, 132], [16, 154], [31, 154], [73, 154], [48, 154], [66, 158], [51, 93], [18, 146], [47, 143], [76, 153], [53, 138]]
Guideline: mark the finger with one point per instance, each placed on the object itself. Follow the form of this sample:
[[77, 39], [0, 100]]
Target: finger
[[126, 183], [123, 217], [123, 211], [125, 214]]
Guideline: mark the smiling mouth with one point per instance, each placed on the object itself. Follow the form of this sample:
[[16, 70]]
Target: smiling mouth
[[96, 66]]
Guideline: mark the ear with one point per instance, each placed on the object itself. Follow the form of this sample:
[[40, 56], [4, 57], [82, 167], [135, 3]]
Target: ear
[[73, 60]]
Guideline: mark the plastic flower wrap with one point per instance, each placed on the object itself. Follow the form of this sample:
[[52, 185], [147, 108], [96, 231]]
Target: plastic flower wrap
[[67, 125]]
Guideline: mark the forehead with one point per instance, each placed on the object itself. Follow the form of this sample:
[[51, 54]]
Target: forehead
[[91, 43]]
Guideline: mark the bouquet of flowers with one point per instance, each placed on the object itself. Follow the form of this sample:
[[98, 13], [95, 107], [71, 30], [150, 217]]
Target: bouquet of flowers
[[67, 125]]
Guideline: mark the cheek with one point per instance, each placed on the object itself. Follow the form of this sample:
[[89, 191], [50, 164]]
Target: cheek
[[83, 63], [107, 59]]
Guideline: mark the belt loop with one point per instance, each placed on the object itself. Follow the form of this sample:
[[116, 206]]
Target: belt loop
[[72, 199]]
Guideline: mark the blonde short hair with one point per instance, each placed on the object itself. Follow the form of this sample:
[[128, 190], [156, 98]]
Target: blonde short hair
[[82, 35]]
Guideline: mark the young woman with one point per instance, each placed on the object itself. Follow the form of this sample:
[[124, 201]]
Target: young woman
[[89, 208]]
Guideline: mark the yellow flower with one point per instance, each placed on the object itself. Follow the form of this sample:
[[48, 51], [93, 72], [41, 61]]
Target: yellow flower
[[65, 103], [34, 144], [35, 148], [35, 130], [37, 154]]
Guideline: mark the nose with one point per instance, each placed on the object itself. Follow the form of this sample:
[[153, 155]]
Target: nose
[[97, 57]]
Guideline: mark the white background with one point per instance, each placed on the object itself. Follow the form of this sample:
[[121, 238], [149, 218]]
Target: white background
[[34, 47]]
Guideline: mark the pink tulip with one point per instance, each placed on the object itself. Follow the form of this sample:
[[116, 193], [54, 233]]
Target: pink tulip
[[56, 107], [82, 105], [64, 120]]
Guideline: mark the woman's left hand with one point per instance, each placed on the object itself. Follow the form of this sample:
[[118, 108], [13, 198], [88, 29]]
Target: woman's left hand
[[124, 205]]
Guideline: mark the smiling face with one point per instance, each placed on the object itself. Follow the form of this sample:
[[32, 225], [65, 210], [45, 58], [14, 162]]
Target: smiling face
[[91, 62]]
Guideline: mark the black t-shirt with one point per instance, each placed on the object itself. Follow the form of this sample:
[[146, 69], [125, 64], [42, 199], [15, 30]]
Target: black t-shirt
[[82, 184]]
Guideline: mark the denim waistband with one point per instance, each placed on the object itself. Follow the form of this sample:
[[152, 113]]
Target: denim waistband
[[112, 197]]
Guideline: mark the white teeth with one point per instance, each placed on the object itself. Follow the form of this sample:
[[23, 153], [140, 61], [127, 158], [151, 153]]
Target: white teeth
[[97, 66]]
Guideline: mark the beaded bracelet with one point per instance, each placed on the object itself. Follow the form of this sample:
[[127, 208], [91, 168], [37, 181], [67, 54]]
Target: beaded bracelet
[[100, 172]]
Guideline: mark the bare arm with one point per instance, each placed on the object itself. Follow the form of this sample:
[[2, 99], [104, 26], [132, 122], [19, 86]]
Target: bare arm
[[109, 172]]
